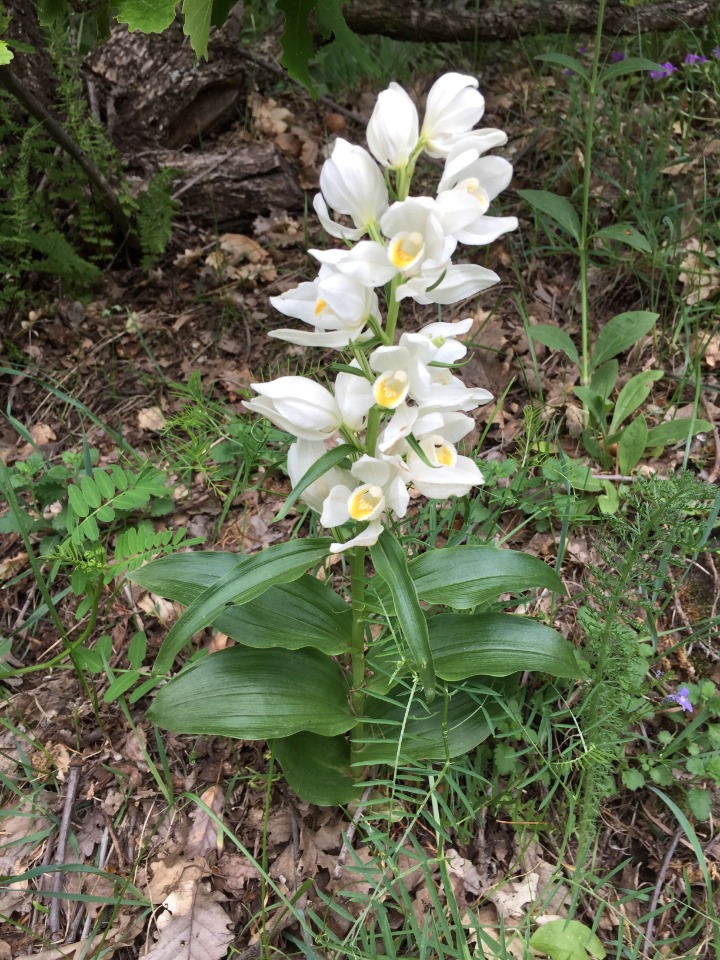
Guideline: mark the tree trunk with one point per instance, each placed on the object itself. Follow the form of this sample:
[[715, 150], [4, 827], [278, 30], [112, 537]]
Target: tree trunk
[[413, 20]]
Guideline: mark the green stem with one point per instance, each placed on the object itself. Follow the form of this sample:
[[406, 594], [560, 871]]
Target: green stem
[[393, 309], [589, 131], [371, 433], [357, 650]]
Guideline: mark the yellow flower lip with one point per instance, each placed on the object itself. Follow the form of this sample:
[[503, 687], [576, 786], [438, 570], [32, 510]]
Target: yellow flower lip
[[439, 451], [391, 388], [406, 249], [320, 306], [366, 502], [472, 186]]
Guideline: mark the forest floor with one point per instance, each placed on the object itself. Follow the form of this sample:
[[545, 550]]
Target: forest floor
[[80, 372]]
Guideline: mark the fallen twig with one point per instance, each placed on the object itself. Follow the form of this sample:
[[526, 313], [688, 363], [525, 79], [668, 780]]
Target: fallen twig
[[73, 782]]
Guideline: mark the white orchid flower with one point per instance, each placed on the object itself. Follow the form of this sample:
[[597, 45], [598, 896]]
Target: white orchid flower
[[448, 285], [301, 456], [467, 149], [383, 487], [452, 426], [454, 105], [480, 181], [351, 184], [366, 263], [392, 132], [354, 397], [403, 370], [443, 337], [336, 305], [417, 241], [299, 406], [449, 474], [448, 392]]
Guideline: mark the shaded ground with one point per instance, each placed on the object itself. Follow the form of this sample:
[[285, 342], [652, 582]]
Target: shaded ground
[[121, 356]]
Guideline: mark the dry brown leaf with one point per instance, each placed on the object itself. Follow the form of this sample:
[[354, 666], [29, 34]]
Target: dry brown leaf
[[170, 872], [699, 276], [9, 567], [42, 433], [511, 898], [269, 118], [203, 836], [193, 927], [151, 418]]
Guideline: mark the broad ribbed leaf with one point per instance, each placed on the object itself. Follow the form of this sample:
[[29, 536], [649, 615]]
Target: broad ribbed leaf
[[632, 395], [391, 565], [557, 208], [318, 768], [556, 339], [432, 732], [621, 332], [251, 577], [497, 645], [676, 431], [466, 576], [256, 695], [304, 613], [625, 233], [632, 444]]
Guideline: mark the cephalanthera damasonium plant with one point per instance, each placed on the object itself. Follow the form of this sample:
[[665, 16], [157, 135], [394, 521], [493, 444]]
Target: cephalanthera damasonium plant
[[413, 667]]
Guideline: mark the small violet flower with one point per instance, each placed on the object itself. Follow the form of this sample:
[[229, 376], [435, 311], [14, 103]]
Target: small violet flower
[[617, 56], [692, 58], [716, 52], [682, 698], [665, 71]]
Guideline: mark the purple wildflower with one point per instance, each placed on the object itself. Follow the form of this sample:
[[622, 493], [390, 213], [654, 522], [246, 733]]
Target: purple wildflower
[[617, 56], [682, 698], [567, 72], [716, 53], [692, 58], [582, 50], [665, 71]]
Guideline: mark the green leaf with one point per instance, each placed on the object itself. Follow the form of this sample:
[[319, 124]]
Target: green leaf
[[297, 40], [700, 803], [137, 649], [628, 65], [330, 20], [633, 779], [567, 940], [148, 16], [604, 379], [391, 565], [621, 332], [318, 768], [635, 392], [121, 685], [90, 491], [400, 729], [676, 431], [303, 613], [555, 339], [563, 60], [327, 461], [557, 208], [198, 14], [467, 576], [497, 645], [251, 577], [609, 501], [632, 444], [624, 233], [6, 53], [256, 695], [592, 400], [77, 501], [104, 484]]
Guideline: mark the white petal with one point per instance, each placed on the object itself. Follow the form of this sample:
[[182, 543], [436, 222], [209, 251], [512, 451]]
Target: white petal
[[334, 339], [330, 226], [335, 508], [486, 230], [460, 282], [367, 538], [392, 132], [439, 483], [354, 397], [352, 184], [466, 150], [454, 106]]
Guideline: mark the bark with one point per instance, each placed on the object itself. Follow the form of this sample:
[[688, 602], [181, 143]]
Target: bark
[[413, 20], [226, 188]]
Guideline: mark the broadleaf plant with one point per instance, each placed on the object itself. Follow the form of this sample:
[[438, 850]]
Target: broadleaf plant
[[412, 662]]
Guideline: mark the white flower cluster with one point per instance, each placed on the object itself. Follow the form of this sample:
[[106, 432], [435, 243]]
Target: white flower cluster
[[398, 404]]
